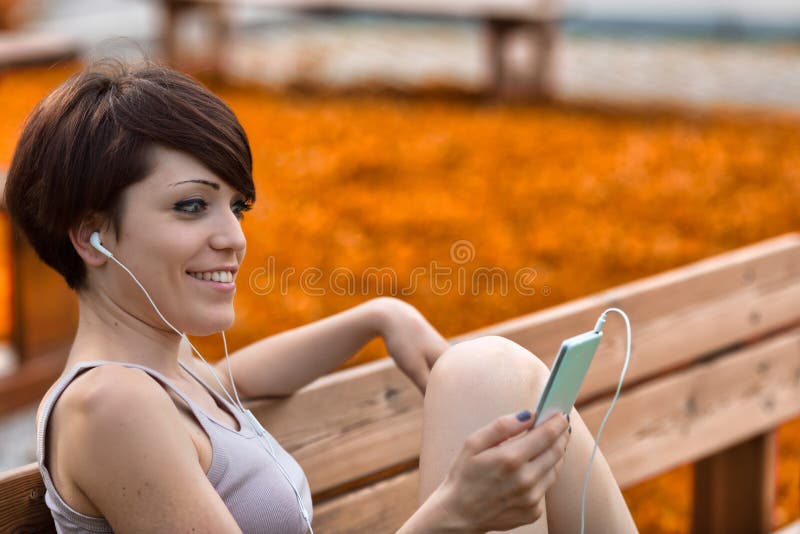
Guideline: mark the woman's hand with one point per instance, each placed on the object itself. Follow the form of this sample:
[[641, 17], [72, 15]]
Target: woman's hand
[[498, 483], [410, 339]]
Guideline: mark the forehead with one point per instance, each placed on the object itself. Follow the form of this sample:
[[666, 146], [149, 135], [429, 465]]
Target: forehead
[[173, 170]]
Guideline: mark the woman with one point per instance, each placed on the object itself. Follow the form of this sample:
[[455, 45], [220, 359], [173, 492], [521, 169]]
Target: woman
[[137, 436]]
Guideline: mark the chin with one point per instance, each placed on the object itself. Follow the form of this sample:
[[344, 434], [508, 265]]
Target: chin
[[208, 327]]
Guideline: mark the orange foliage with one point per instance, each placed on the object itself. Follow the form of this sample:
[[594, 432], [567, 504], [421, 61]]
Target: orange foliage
[[589, 198]]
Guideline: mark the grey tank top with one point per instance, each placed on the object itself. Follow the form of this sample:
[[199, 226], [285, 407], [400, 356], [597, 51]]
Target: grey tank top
[[253, 488]]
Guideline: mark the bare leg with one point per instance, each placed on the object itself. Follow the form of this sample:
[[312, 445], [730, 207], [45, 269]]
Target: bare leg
[[606, 510], [472, 383], [476, 381]]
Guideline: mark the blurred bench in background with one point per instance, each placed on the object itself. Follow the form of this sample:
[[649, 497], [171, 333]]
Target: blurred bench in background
[[42, 329], [22, 49], [715, 370], [537, 20]]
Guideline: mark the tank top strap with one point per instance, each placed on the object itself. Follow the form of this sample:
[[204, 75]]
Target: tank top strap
[[81, 367]]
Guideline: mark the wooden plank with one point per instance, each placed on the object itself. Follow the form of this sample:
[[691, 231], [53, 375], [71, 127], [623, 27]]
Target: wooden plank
[[382, 507], [677, 316], [22, 496], [702, 410], [734, 490], [349, 424]]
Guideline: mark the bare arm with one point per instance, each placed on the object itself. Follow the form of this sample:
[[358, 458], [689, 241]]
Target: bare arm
[[281, 364]]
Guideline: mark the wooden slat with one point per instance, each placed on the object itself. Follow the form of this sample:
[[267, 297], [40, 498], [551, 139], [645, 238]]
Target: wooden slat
[[677, 316], [349, 424], [23, 508], [382, 507], [734, 491], [696, 412]]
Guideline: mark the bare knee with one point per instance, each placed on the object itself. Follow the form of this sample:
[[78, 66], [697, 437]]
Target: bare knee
[[487, 363]]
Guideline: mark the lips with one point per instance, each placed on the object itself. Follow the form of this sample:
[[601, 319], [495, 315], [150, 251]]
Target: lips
[[223, 276]]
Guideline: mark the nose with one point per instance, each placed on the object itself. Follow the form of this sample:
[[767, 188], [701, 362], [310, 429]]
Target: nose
[[228, 233]]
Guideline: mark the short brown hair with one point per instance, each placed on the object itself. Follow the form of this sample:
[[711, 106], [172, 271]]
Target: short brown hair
[[91, 137]]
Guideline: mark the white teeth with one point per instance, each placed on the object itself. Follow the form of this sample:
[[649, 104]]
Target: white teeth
[[216, 276]]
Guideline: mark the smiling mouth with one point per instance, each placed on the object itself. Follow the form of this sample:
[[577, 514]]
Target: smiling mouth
[[225, 277]]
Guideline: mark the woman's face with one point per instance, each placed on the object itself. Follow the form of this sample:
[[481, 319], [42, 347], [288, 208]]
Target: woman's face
[[181, 236]]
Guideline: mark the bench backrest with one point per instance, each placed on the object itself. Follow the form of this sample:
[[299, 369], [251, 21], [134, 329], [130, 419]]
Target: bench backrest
[[716, 360]]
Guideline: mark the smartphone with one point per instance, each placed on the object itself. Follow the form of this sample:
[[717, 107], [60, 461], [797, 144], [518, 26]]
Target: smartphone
[[569, 370]]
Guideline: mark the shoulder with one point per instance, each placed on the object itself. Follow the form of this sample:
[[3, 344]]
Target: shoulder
[[132, 457], [104, 407], [98, 393]]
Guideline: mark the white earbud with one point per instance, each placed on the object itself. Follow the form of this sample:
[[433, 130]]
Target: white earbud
[[94, 239]]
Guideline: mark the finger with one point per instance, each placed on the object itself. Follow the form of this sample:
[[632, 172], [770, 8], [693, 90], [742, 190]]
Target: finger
[[497, 431], [537, 441], [536, 478], [539, 467]]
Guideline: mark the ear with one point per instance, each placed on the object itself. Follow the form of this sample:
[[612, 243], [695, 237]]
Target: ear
[[80, 234]]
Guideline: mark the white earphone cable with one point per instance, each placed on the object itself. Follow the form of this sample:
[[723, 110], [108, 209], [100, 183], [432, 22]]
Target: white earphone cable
[[598, 328], [251, 419]]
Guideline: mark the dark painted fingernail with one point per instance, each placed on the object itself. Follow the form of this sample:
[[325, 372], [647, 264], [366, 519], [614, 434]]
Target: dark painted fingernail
[[567, 418], [569, 429], [524, 415]]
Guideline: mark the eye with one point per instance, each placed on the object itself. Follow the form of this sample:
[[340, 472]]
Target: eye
[[191, 206], [240, 207]]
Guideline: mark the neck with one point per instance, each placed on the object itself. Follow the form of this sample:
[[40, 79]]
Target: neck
[[108, 332]]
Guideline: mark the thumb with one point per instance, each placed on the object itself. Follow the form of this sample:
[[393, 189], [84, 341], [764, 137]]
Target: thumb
[[498, 431]]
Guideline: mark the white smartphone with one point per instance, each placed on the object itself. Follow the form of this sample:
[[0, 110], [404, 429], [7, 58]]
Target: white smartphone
[[566, 376]]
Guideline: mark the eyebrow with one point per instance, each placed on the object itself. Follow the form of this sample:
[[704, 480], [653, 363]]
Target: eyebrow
[[206, 182]]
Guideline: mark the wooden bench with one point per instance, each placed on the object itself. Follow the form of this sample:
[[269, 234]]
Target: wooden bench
[[21, 49], [538, 19], [715, 369]]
